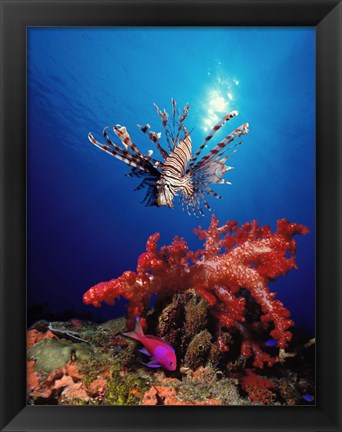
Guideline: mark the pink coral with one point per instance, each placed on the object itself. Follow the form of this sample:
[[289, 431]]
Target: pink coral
[[34, 336], [257, 387], [68, 381], [32, 375], [233, 259]]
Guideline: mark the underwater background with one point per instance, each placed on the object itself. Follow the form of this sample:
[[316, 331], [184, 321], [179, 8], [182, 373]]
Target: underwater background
[[86, 223]]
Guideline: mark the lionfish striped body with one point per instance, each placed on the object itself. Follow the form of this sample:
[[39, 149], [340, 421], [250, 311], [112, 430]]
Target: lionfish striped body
[[178, 172]]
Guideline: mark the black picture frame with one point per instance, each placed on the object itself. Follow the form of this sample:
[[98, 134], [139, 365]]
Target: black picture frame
[[16, 16]]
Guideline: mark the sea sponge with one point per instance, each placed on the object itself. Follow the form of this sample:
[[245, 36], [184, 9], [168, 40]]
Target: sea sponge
[[51, 354], [198, 350]]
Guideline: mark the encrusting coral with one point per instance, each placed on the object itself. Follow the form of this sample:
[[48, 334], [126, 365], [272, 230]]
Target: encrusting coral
[[232, 269], [207, 373], [257, 387]]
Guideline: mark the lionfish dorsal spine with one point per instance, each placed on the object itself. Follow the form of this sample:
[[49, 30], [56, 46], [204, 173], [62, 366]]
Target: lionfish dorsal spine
[[164, 116], [181, 122], [113, 149]]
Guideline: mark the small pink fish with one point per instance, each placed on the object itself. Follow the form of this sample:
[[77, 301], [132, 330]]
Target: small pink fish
[[162, 353]]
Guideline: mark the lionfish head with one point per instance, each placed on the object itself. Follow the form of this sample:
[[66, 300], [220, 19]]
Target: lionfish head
[[164, 194]]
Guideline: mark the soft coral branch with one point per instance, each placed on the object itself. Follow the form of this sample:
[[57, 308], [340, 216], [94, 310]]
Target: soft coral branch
[[233, 258]]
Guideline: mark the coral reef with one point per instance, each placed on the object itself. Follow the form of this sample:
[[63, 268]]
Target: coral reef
[[230, 273], [72, 373], [34, 336], [63, 385], [235, 343], [114, 375], [160, 395]]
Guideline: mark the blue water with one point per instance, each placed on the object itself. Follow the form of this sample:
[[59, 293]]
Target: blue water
[[85, 222]]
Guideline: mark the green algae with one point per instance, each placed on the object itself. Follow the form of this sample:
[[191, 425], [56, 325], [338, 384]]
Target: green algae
[[126, 390], [51, 354], [121, 389], [101, 363]]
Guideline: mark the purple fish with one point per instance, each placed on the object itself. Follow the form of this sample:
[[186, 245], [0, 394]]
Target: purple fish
[[271, 343], [308, 397], [162, 353]]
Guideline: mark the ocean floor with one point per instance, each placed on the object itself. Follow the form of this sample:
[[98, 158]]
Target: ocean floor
[[84, 363]]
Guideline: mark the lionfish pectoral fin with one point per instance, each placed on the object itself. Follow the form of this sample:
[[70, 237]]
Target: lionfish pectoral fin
[[213, 131]]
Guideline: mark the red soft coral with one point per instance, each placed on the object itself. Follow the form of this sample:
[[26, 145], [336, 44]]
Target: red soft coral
[[257, 387], [233, 259]]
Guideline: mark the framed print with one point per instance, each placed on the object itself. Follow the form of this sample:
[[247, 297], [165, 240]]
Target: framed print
[[146, 284], [229, 329]]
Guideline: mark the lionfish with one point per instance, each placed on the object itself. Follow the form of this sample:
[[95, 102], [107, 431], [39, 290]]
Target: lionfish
[[179, 170]]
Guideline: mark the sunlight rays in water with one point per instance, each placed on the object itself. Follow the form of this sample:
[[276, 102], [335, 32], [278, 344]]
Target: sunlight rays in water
[[218, 102]]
